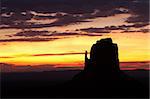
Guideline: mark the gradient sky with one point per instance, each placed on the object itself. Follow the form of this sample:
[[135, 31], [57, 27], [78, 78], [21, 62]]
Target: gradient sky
[[57, 32]]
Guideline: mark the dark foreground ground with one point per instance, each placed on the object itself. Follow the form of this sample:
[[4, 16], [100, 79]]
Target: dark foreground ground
[[49, 84]]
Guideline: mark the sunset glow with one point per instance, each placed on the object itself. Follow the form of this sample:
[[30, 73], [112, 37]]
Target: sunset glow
[[131, 48], [60, 38]]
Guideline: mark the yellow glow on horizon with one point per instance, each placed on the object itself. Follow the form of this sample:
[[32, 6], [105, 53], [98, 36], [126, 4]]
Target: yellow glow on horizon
[[132, 47], [67, 59]]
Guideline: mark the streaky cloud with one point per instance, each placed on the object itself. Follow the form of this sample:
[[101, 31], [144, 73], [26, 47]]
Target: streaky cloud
[[28, 40], [5, 57], [59, 54], [32, 33]]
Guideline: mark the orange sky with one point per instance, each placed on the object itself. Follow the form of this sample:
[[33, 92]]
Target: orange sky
[[131, 48]]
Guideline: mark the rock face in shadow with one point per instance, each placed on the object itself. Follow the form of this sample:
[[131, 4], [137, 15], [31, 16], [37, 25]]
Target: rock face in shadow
[[102, 76]]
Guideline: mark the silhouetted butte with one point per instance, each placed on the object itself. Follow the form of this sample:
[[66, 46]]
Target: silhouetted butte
[[102, 76]]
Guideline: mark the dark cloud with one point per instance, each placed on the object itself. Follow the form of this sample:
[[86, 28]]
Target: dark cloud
[[67, 6], [92, 34], [6, 57], [76, 11], [95, 30], [28, 40], [61, 21], [68, 19], [134, 31], [108, 29], [71, 34], [59, 54], [31, 33], [39, 36], [126, 27], [139, 11], [138, 25], [130, 31], [15, 19], [47, 54], [40, 17], [145, 30], [62, 34]]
